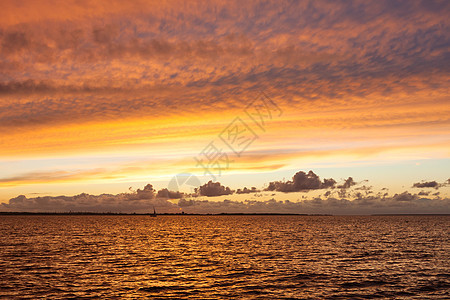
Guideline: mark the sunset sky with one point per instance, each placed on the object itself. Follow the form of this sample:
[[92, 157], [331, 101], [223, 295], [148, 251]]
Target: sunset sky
[[105, 97]]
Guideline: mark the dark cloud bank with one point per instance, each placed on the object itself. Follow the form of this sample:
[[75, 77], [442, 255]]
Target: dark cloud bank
[[337, 199]]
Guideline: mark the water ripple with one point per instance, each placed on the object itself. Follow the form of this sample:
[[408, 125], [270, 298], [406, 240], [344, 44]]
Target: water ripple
[[257, 257]]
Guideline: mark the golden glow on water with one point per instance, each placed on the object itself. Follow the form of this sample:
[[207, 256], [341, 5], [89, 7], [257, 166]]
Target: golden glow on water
[[224, 256]]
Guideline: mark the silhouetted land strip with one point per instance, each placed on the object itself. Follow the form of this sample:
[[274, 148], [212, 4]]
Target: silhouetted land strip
[[161, 214], [410, 215], [187, 214]]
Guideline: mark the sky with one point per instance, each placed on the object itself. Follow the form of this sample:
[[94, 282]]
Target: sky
[[98, 100]]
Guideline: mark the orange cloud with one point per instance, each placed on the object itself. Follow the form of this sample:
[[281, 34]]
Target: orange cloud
[[78, 78]]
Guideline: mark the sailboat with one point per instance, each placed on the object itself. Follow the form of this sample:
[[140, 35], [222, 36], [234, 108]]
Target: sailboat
[[154, 212]]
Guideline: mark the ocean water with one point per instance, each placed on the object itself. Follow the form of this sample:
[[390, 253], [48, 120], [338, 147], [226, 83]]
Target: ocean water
[[209, 257]]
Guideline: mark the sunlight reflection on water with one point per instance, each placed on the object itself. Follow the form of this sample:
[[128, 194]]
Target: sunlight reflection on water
[[224, 256]]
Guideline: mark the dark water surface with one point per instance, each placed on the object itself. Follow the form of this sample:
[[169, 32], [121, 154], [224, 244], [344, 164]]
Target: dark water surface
[[265, 257]]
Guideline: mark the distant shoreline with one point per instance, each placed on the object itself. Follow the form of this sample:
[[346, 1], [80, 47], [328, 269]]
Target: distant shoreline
[[190, 214], [148, 214]]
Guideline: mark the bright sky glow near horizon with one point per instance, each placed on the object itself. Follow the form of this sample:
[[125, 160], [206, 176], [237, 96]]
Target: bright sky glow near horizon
[[100, 97]]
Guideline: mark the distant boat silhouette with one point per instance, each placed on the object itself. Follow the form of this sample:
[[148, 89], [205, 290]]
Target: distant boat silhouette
[[154, 212]]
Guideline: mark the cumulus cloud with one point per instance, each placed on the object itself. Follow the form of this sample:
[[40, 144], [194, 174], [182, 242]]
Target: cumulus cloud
[[426, 184], [301, 181], [405, 197], [147, 193], [349, 182], [430, 184], [245, 190], [165, 193], [423, 193], [212, 189]]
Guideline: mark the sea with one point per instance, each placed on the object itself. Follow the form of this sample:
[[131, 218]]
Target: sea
[[224, 257]]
